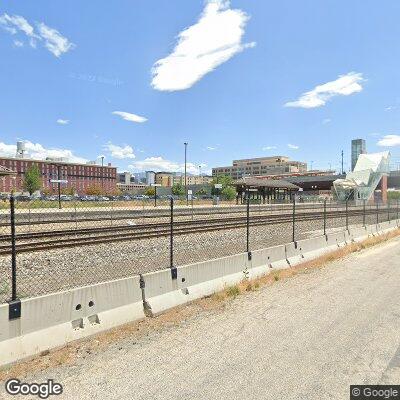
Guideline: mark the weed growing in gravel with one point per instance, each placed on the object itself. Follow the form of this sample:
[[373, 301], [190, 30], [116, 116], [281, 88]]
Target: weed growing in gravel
[[233, 291]]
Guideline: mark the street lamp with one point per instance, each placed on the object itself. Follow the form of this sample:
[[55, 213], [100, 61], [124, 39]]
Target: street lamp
[[187, 198], [102, 173]]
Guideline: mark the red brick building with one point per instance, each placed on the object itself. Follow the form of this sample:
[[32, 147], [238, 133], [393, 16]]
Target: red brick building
[[79, 176]]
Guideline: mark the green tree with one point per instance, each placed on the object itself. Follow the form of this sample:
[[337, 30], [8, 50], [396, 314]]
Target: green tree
[[32, 179], [224, 180], [150, 191], [94, 190], [201, 192], [393, 195], [228, 193], [178, 189]]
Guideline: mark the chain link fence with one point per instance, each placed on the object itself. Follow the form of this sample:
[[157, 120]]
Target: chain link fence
[[48, 246]]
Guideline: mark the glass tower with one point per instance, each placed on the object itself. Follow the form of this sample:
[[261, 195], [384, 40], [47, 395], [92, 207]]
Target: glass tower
[[357, 147]]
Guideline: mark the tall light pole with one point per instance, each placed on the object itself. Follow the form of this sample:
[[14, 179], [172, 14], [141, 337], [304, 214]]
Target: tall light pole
[[199, 170], [186, 194], [342, 163]]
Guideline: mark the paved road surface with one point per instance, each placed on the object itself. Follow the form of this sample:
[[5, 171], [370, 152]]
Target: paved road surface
[[308, 337]]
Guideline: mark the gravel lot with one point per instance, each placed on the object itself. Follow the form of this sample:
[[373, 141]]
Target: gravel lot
[[60, 269]]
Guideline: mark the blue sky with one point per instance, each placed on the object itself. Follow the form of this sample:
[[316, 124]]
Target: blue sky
[[133, 80]]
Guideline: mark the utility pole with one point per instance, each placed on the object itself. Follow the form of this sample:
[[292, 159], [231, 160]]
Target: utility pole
[[342, 163], [186, 194]]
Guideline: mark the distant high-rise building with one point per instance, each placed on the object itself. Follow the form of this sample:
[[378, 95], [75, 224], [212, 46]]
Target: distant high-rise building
[[357, 147], [150, 178]]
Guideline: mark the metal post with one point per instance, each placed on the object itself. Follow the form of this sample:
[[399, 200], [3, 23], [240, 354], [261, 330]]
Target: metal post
[[388, 210], [347, 215], [59, 185], [76, 216], [13, 250], [111, 213], [248, 224], [155, 196], [186, 193], [171, 243], [364, 213], [294, 220], [377, 213], [397, 210], [325, 217]]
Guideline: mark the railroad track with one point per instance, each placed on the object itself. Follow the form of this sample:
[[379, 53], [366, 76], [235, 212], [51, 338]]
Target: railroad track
[[26, 219], [40, 241]]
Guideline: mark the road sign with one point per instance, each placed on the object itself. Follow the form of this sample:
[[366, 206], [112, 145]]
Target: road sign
[[58, 181], [190, 192], [218, 186]]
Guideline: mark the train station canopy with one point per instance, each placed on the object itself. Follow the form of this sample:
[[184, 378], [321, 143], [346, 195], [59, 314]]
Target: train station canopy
[[259, 183]]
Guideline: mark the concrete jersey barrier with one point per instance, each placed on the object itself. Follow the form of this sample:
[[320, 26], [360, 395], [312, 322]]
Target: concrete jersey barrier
[[53, 320]]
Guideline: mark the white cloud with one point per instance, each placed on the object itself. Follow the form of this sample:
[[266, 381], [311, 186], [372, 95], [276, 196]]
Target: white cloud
[[52, 39], [344, 85], [389, 141], [130, 117], [120, 152], [39, 152], [211, 41], [160, 164], [63, 121], [15, 23], [326, 121], [268, 148], [390, 108], [18, 43], [211, 148], [292, 146]]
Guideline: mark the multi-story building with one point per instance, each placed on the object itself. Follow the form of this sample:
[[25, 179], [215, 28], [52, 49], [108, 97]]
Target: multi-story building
[[275, 165], [150, 178], [165, 179], [193, 179], [358, 147], [79, 177]]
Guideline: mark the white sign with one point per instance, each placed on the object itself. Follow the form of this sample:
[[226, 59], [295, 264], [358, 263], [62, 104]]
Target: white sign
[[218, 186], [190, 192], [58, 181]]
